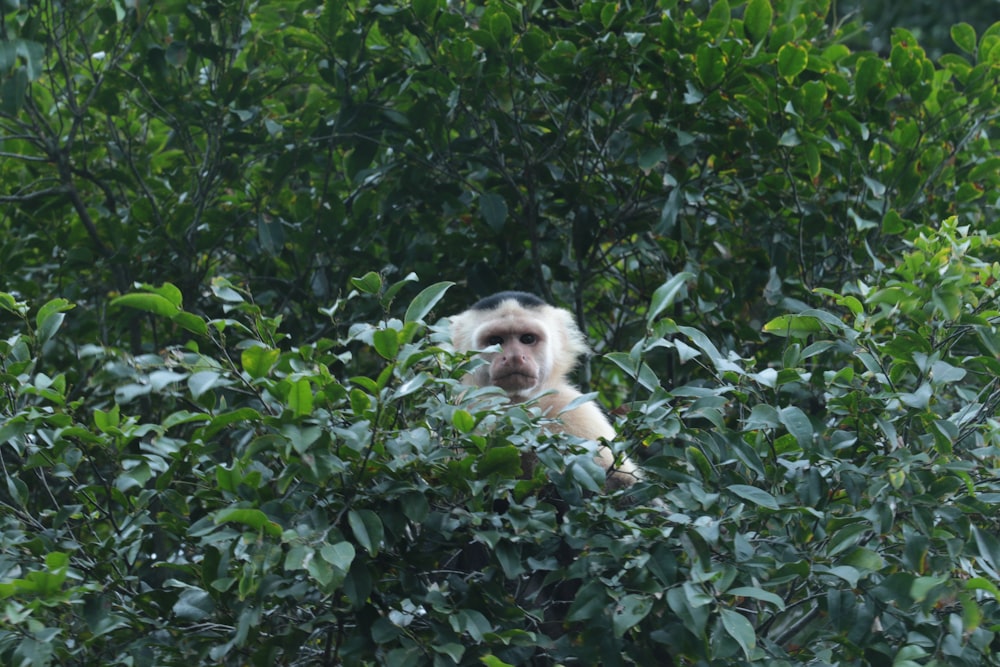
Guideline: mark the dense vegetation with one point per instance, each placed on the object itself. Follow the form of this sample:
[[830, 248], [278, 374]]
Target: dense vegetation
[[232, 431]]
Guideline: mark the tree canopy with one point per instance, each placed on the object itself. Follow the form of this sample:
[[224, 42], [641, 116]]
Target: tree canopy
[[232, 430]]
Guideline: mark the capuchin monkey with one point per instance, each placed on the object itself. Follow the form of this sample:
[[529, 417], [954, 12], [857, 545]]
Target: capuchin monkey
[[539, 346]]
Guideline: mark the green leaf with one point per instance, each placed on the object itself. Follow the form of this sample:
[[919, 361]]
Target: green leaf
[[472, 622], [13, 91], [393, 290], [360, 401], [386, 343], [17, 490], [270, 234], [503, 461], [367, 528], [740, 629], [300, 398], [193, 605], [224, 291], [651, 156], [711, 65], [331, 568], [642, 374], [868, 75], [340, 555], [665, 295], [191, 322], [757, 19], [257, 361], [493, 208], [301, 437], [370, 283], [964, 36], [533, 43], [629, 610], [983, 584], [425, 301], [865, 560], [717, 21], [589, 603], [150, 303], [793, 326], [501, 28], [762, 416], [508, 555], [168, 291], [943, 373], [415, 506], [33, 54], [919, 399], [423, 9], [812, 98], [691, 605], [757, 594], [109, 421], [453, 650], [202, 381], [52, 307], [754, 495], [798, 424], [921, 587], [699, 461], [50, 317], [988, 546], [463, 421], [253, 518], [792, 61], [893, 223]]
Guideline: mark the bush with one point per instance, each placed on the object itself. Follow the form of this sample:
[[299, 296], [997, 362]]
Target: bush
[[343, 502], [783, 249]]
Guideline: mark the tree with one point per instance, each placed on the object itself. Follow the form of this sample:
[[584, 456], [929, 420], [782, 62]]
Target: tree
[[226, 439]]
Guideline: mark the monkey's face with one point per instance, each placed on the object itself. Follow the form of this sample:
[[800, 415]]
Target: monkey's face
[[522, 365]]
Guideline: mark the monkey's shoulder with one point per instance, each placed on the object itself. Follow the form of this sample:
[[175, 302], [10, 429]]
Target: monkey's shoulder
[[585, 420]]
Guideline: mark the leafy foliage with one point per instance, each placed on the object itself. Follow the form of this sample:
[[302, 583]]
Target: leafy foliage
[[226, 439]]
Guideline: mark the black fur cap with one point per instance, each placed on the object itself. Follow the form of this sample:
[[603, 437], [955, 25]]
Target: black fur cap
[[525, 299]]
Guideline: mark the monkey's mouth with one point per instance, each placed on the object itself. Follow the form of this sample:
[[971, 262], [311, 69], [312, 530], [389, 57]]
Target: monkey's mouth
[[515, 380]]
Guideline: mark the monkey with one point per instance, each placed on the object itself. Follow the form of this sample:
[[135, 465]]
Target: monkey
[[540, 345]]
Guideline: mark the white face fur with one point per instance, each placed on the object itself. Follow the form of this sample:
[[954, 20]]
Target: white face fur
[[539, 344], [523, 365]]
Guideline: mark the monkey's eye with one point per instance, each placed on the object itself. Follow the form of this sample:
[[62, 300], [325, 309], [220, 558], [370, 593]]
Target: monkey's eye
[[529, 339], [494, 340]]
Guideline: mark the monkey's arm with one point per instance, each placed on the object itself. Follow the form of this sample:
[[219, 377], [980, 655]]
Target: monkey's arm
[[585, 421], [588, 421]]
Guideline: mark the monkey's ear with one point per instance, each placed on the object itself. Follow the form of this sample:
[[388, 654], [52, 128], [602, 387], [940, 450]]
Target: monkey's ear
[[574, 344], [461, 332]]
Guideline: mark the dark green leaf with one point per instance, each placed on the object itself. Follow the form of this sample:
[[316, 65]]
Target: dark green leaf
[[665, 295], [367, 529], [754, 495], [424, 9], [740, 629], [493, 208], [757, 19]]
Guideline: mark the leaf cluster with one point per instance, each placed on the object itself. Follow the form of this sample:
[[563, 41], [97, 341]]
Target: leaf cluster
[[230, 432], [242, 499]]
